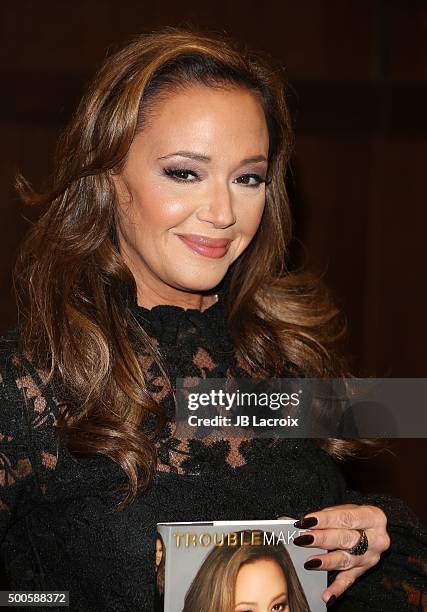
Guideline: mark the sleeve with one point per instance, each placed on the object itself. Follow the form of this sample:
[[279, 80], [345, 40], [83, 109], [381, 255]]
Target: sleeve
[[399, 580], [16, 466]]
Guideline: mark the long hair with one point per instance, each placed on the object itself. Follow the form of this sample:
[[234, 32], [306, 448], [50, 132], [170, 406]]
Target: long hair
[[213, 587], [74, 317], [160, 568]]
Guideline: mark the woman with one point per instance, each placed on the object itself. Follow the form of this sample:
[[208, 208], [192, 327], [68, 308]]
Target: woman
[[160, 561], [232, 576], [160, 255]]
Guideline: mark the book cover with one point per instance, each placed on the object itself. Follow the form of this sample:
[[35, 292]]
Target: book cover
[[235, 566]]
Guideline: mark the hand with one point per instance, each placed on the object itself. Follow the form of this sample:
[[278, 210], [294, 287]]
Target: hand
[[335, 529]]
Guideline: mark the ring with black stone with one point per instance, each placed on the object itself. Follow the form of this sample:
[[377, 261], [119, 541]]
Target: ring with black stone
[[362, 545]]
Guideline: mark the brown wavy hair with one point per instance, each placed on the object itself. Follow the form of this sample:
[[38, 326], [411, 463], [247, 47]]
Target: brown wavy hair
[[74, 321], [213, 587]]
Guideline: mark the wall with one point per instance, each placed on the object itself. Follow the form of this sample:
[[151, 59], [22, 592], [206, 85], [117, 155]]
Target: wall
[[358, 71]]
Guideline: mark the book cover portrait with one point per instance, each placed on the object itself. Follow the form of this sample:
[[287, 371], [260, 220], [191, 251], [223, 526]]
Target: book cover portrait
[[236, 566]]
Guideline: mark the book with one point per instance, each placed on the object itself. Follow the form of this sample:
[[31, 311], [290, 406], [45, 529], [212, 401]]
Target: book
[[235, 566]]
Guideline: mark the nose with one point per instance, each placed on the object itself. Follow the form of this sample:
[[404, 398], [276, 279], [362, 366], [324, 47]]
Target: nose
[[218, 207]]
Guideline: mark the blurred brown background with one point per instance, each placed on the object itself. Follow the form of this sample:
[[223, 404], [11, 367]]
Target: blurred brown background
[[359, 73]]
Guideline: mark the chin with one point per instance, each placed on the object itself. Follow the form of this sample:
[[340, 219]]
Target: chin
[[206, 283]]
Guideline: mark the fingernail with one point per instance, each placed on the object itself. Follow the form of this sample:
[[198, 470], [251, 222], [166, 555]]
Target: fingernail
[[313, 564], [304, 540], [331, 601], [306, 523]]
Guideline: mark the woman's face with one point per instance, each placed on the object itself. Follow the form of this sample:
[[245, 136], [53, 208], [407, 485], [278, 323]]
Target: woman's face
[[261, 587], [159, 551], [196, 170]]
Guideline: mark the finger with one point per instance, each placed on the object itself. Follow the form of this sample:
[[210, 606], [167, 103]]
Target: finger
[[341, 507], [341, 560], [331, 539], [349, 517], [328, 538], [342, 582]]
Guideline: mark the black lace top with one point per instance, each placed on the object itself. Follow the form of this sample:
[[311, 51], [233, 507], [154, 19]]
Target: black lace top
[[59, 528]]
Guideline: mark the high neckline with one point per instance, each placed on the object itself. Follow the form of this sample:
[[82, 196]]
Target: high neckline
[[174, 325], [172, 307]]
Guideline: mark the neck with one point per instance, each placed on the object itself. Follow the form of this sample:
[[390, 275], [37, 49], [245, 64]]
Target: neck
[[184, 300]]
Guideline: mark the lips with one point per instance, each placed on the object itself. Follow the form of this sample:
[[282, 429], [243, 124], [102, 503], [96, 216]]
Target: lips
[[203, 245], [205, 241]]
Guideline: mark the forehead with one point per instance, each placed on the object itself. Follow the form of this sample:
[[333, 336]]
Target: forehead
[[259, 574], [206, 119]]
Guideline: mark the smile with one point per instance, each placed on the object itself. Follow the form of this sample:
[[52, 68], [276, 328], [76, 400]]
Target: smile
[[208, 247]]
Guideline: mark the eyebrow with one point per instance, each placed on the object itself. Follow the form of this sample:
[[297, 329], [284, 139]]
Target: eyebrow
[[254, 603], [205, 158]]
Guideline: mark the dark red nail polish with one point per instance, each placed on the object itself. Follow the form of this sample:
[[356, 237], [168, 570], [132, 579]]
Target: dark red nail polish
[[306, 523], [304, 540], [313, 564], [331, 601]]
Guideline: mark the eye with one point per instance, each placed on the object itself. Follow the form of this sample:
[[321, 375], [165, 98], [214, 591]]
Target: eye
[[279, 607], [251, 180], [181, 175]]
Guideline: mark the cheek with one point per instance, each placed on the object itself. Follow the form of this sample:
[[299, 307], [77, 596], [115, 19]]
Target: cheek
[[249, 218], [159, 207]]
